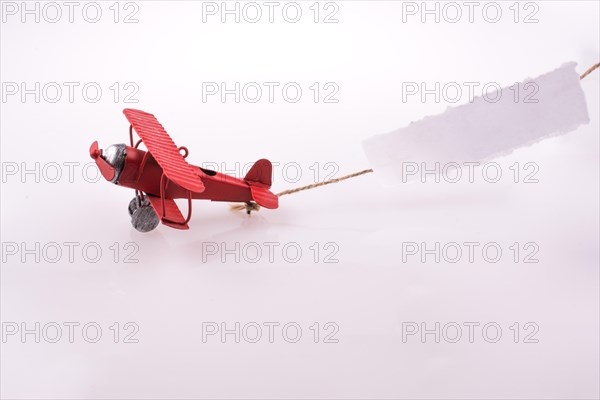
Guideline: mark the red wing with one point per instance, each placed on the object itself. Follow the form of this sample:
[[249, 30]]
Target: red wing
[[173, 217], [264, 197], [164, 150]]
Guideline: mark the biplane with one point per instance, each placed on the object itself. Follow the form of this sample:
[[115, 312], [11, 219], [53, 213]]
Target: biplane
[[161, 174]]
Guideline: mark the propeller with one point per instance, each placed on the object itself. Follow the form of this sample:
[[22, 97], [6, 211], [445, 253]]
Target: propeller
[[107, 171]]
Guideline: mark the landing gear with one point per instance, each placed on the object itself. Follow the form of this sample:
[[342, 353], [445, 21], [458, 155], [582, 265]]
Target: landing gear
[[251, 206], [143, 216], [133, 204]]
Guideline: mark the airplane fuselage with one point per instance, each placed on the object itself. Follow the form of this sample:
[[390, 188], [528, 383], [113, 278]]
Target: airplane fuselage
[[142, 172]]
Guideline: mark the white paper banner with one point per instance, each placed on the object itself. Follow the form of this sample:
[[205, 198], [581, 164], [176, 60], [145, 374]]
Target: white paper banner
[[484, 129]]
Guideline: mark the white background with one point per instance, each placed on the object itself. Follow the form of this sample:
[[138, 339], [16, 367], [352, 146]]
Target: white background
[[176, 286]]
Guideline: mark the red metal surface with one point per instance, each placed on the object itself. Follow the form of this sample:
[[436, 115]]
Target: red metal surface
[[163, 149], [264, 197], [260, 173], [163, 174], [172, 216], [106, 170]]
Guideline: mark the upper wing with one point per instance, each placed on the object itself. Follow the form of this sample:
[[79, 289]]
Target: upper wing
[[163, 149]]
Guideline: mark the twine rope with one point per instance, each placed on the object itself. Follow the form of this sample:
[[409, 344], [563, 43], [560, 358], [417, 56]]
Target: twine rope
[[589, 71], [252, 206], [327, 182]]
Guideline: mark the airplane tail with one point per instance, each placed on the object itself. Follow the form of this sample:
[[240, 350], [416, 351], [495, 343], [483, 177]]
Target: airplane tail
[[260, 174], [260, 179]]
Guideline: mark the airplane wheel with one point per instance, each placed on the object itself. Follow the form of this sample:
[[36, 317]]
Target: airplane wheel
[[133, 204], [144, 218]]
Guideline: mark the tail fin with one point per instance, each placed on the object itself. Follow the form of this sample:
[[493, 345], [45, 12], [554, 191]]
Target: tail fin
[[259, 179], [260, 174]]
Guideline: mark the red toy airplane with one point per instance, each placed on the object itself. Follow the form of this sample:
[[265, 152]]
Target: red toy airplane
[[161, 174]]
